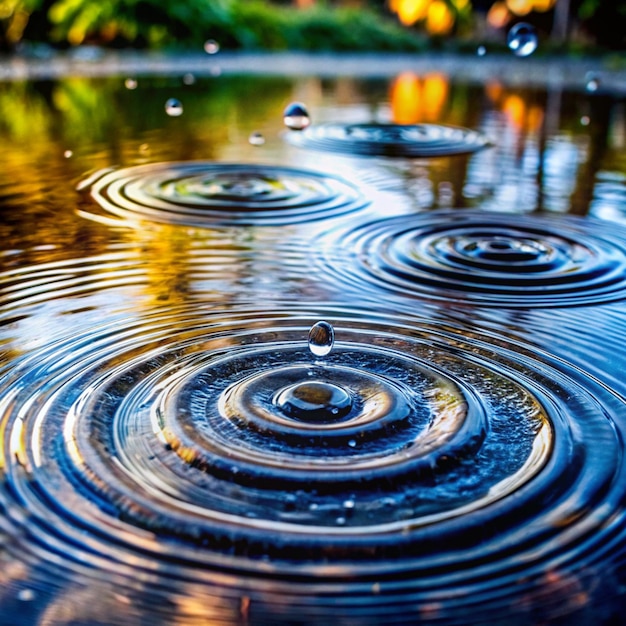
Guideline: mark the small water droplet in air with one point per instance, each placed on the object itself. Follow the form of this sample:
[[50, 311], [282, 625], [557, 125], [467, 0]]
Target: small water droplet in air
[[585, 120], [130, 83], [174, 107], [592, 82], [481, 51], [348, 504], [321, 338], [313, 506], [352, 443], [522, 39], [68, 154], [189, 79], [211, 46], [376, 588], [340, 521], [296, 117], [256, 139], [26, 595]]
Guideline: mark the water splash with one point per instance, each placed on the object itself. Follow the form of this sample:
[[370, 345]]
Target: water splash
[[391, 140], [206, 193], [488, 259]]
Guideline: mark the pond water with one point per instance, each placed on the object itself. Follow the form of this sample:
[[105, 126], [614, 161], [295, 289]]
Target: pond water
[[369, 371]]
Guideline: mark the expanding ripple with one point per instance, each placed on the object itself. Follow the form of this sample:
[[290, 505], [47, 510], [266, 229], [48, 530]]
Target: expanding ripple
[[208, 193], [168, 455], [391, 140], [489, 259]]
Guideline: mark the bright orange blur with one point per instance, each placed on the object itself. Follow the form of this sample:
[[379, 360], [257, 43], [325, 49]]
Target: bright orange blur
[[523, 7], [409, 11], [439, 20], [520, 115], [499, 15], [416, 100]]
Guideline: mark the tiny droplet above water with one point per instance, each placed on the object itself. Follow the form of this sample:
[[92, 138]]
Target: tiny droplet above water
[[352, 443], [68, 154], [522, 39], [174, 107], [189, 79], [130, 83], [592, 82], [256, 139], [211, 46], [481, 51], [296, 117], [585, 120], [321, 338]]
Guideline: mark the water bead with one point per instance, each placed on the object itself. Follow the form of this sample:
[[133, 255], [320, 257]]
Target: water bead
[[321, 339], [130, 83], [592, 82], [481, 51], [68, 154], [522, 39], [189, 79], [314, 401], [174, 107], [211, 46], [256, 139], [296, 116]]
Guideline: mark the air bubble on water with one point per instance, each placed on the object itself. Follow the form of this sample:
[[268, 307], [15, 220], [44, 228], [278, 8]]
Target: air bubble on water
[[25, 595], [296, 117], [313, 506], [522, 39], [189, 79], [481, 51], [348, 504], [256, 139], [592, 82], [321, 338], [211, 46], [130, 83], [174, 107], [68, 154]]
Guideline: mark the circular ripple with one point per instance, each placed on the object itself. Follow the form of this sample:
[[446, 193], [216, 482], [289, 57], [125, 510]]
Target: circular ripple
[[391, 140], [489, 259], [207, 193], [466, 473]]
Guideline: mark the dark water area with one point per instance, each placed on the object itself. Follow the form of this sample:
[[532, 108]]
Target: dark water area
[[181, 441]]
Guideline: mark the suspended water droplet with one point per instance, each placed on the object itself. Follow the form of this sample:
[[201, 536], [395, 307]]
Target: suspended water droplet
[[296, 117], [348, 504], [68, 154], [481, 51], [352, 443], [314, 401], [321, 338], [174, 107], [585, 120], [592, 83], [130, 83], [522, 39], [376, 588], [211, 46], [26, 595], [256, 138], [189, 79], [340, 521]]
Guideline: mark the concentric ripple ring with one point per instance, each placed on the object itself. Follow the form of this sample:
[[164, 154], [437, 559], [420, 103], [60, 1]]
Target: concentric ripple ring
[[199, 193], [390, 140], [487, 259], [153, 451]]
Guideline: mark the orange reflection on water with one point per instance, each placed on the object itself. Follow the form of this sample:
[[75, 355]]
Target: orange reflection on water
[[520, 114], [417, 100]]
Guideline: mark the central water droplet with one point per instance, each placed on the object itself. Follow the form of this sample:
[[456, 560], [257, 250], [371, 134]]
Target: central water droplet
[[211, 46], [173, 107], [321, 338], [522, 39], [314, 401], [296, 117]]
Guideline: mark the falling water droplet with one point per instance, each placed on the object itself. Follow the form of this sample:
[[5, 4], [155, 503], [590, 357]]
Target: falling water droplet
[[174, 107], [321, 338], [348, 504], [340, 521], [68, 154], [189, 79], [130, 83], [592, 82], [296, 117], [481, 51], [585, 120], [211, 46], [256, 139], [352, 443], [522, 39]]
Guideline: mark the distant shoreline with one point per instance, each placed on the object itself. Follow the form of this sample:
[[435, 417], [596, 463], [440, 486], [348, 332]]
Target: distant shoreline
[[549, 72]]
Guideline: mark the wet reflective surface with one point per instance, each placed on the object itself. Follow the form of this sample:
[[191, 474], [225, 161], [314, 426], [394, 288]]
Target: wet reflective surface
[[275, 382]]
